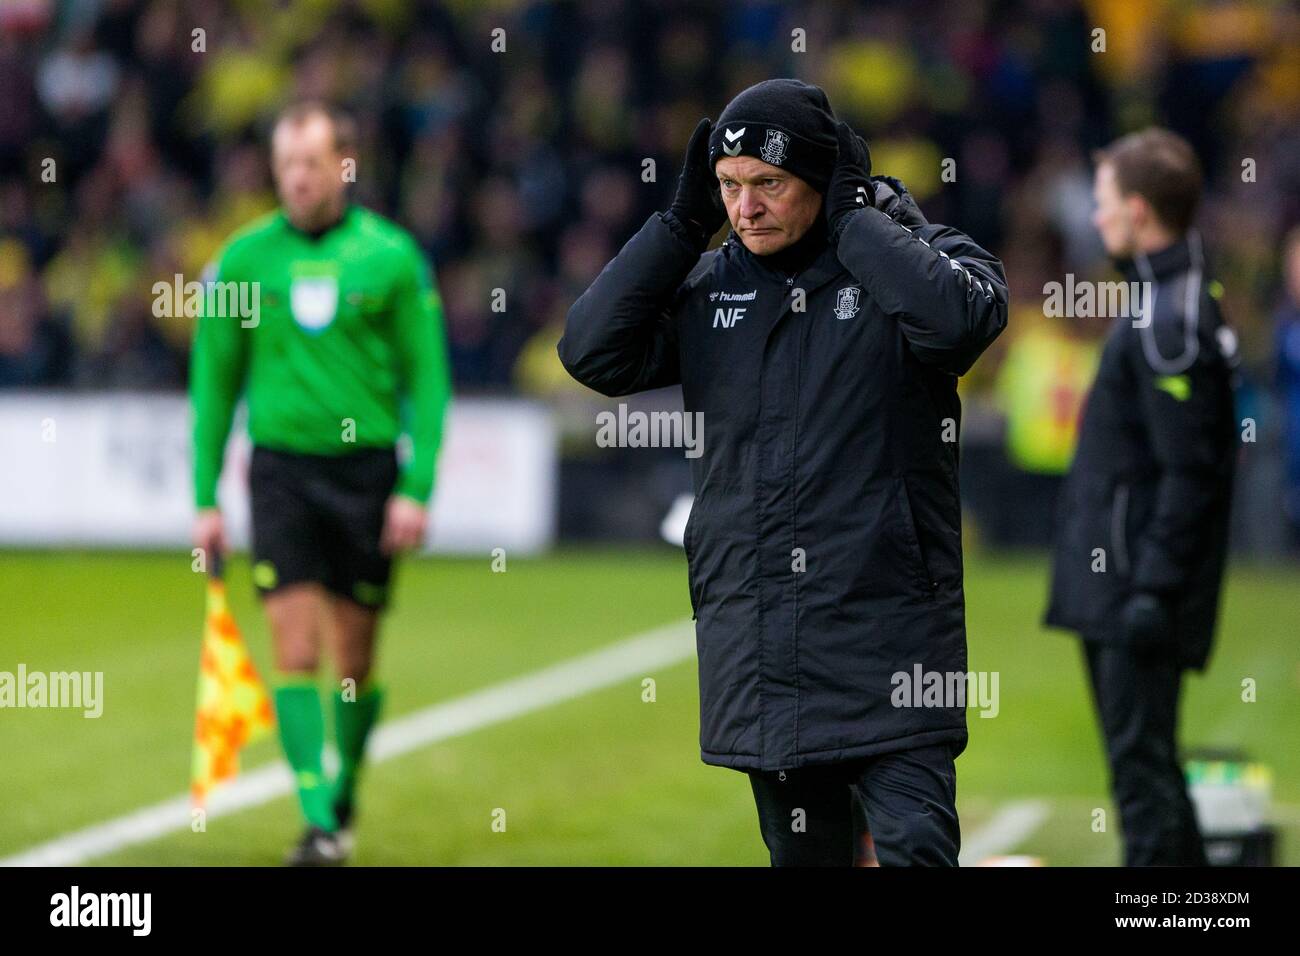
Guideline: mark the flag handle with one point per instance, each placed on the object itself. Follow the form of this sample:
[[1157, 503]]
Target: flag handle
[[216, 565]]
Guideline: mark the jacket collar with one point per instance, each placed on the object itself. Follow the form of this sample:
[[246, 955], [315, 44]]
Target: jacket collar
[[1168, 261], [811, 265]]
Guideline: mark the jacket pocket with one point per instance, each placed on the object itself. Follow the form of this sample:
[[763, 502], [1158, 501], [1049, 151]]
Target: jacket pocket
[[920, 567], [693, 583]]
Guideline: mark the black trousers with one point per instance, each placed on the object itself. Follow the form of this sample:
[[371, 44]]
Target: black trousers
[[808, 816], [1136, 696]]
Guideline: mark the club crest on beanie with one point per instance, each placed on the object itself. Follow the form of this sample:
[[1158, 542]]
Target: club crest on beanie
[[783, 122]]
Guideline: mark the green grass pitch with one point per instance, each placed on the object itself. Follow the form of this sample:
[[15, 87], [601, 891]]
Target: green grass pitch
[[602, 779]]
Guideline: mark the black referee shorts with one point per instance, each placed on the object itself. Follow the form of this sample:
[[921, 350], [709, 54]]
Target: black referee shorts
[[318, 518]]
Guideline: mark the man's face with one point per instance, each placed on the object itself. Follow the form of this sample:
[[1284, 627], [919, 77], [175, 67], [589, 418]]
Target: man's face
[[308, 170], [769, 208], [1114, 214]]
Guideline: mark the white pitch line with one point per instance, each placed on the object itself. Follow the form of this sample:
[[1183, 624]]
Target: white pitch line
[[552, 685], [501, 702], [1010, 827]]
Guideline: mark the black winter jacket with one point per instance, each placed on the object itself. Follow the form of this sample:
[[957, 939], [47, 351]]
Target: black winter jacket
[[824, 546], [1146, 504]]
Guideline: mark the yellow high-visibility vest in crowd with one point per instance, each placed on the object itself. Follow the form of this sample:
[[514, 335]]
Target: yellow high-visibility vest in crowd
[[1041, 387]]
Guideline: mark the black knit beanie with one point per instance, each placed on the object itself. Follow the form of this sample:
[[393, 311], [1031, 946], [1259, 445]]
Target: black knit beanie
[[786, 123]]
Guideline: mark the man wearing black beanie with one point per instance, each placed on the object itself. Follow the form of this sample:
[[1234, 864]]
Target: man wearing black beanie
[[821, 343], [786, 123]]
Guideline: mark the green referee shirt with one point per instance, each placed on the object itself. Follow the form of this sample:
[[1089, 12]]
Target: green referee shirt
[[345, 351]]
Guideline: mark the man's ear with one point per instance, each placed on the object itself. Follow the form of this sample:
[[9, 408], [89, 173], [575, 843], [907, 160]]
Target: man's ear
[[1137, 213]]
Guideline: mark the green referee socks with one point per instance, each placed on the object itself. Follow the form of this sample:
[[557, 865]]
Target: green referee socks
[[352, 722], [302, 734]]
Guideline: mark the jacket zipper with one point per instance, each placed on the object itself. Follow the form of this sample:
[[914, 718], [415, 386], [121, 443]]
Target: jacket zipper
[[1119, 528]]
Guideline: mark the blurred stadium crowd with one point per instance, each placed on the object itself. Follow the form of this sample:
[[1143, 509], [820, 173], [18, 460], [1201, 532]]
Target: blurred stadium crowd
[[522, 170]]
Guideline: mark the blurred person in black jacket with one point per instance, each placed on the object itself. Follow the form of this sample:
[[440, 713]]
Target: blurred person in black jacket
[[1143, 527]]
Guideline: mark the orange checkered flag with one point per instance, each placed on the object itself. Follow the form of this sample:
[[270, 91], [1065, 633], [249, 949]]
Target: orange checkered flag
[[233, 708]]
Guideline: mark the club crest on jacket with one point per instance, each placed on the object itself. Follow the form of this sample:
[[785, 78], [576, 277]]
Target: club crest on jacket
[[846, 303]]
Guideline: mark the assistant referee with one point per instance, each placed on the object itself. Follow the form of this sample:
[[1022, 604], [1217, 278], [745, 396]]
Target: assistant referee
[[346, 353]]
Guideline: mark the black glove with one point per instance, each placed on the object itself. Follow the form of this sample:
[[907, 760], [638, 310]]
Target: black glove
[[1146, 624], [698, 205], [850, 188]]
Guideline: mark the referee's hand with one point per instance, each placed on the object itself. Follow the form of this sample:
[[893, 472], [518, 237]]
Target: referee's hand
[[404, 524], [210, 532]]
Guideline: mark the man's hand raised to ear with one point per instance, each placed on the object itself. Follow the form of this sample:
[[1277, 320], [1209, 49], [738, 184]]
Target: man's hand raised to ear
[[697, 205], [850, 188]]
